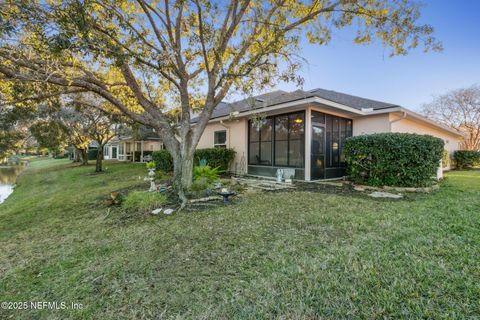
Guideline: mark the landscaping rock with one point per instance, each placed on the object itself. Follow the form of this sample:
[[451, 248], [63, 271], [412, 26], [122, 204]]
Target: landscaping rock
[[168, 211], [157, 211], [378, 194], [359, 188]]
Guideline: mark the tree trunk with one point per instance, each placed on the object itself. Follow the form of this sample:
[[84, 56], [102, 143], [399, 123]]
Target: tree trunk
[[83, 157], [76, 155], [98, 163], [183, 175]]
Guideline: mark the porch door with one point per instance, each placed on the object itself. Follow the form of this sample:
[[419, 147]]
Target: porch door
[[114, 152], [317, 160]]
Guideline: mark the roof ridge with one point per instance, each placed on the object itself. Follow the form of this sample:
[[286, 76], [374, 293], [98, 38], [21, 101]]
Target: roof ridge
[[353, 96]]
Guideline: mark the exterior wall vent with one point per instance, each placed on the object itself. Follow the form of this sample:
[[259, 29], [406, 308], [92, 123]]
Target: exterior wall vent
[[367, 109]]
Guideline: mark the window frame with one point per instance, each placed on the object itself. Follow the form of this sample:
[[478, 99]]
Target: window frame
[[220, 145]]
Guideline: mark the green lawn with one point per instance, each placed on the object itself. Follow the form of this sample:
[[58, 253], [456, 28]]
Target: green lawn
[[297, 255]]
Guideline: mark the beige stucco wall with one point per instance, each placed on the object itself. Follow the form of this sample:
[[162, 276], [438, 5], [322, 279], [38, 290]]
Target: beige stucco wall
[[236, 138], [393, 122], [411, 126], [371, 124], [152, 145]]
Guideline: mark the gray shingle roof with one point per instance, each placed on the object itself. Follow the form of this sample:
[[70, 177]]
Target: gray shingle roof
[[279, 96], [351, 101]]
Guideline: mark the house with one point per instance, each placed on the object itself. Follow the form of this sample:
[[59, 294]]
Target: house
[[303, 132], [135, 148]]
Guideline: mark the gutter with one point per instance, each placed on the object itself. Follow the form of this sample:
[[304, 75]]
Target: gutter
[[396, 120], [432, 123]]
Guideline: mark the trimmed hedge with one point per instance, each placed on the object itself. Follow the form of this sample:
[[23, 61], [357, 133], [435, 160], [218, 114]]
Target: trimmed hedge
[[393, 159], [215, 157], [466, 159], [163, 160], [92, 154], [445, 159]]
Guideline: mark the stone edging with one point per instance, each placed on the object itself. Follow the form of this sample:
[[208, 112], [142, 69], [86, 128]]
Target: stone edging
[[359, 187]]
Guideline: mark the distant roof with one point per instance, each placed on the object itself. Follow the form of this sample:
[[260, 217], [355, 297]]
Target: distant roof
[[142, 133], [280, 96]]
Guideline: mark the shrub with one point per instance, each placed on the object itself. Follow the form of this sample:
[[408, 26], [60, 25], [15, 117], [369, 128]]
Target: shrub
[[206, 173], [164, 160], [150, 165], [92, 154], [215, 157], [143, 201], [393, 159], [466, 159], [445, 159], [199, 185]]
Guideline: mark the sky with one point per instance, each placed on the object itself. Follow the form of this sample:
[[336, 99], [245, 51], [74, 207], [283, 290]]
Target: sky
[[409, 81]]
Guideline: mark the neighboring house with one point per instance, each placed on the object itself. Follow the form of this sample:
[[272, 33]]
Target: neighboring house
[[123, 148], [303, 132]]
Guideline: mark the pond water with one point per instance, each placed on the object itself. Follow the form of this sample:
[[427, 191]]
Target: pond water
[[8, 175]]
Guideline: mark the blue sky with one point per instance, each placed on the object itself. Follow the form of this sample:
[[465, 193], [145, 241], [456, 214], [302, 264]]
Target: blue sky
[[411, 80]]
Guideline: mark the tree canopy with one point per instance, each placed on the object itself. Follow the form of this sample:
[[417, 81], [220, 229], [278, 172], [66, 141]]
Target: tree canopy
[[460, 110], [146, 58]]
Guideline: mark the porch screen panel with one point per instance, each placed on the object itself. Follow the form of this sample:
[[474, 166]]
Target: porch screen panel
[[253, 144], [260, 143], [296, 153], [337, 131], [281, 140], [266, 133]]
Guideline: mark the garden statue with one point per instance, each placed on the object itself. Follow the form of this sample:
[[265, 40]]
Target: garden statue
[[151, 175], [279, 175]]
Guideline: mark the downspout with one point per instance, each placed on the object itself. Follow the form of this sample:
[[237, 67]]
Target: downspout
[[396, 120]]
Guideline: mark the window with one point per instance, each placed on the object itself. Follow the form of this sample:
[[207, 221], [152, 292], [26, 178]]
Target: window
[[220, 139], [278, 141], [106, 150], [121, 151]]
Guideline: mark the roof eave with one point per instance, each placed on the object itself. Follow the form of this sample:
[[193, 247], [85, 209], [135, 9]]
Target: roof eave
[[294, 103], [431, 122]]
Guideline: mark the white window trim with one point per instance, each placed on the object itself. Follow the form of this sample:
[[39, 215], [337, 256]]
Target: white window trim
[[106, 151], [215, 145]]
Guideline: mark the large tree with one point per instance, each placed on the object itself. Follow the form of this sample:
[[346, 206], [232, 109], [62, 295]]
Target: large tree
[[147, 57], [13, 130], [458, 109], [50, 135], [85, 122]]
